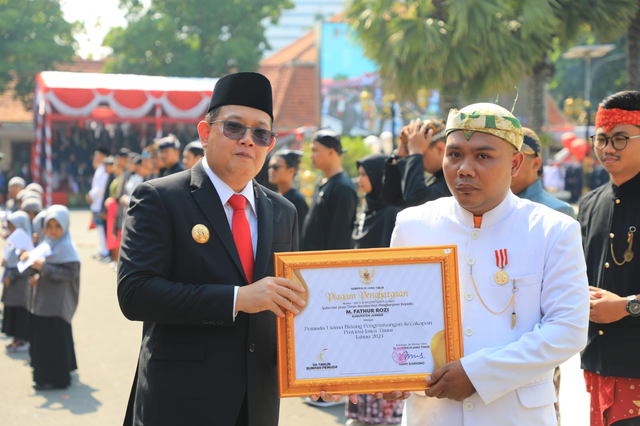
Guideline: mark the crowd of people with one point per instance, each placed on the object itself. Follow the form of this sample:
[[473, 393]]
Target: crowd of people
[[484, 193], [474, 180], [41, 296], [116, 176]]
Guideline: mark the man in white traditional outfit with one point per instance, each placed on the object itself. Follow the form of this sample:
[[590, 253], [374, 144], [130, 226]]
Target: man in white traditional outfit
[[523, 283]]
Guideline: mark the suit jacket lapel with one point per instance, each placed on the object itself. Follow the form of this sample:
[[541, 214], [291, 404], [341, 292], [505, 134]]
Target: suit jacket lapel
[[265, 232], [209, 201]]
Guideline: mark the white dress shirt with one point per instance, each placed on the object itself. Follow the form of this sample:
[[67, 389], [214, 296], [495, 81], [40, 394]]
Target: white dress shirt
[[511, 369], [96, 193], [225, 192]]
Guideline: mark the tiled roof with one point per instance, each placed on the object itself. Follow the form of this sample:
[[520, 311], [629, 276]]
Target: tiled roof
[[292, 73], [301, 50], [556, 116], [13, 111], [83, 65]]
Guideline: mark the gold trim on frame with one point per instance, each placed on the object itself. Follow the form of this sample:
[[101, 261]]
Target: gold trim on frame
[[285, 263]]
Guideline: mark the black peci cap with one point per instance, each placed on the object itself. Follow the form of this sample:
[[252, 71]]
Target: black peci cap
[[250, 89], [330, 139]]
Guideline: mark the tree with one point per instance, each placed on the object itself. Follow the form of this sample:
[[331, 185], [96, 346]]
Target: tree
[[606, 18], [458, 46], [33, 37], [633, 52], [192, 38], [608, 74]]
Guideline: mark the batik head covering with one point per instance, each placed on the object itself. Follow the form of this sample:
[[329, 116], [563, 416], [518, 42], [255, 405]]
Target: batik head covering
[[609, 118], [62, 249], [486, 118], [531, 143]]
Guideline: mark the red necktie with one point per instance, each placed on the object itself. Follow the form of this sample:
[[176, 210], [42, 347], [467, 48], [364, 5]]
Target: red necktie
[[242, 234]]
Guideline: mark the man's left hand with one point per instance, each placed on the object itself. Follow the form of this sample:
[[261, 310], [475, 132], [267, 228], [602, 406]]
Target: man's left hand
[[450, 382], [606, 307]]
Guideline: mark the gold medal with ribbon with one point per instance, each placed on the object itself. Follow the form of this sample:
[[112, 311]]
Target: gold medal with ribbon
[[501, 277]]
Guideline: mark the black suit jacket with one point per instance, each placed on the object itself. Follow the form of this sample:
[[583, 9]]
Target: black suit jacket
[[196, 363]]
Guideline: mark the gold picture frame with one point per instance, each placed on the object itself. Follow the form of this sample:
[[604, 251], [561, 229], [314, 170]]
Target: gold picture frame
[[291, 265]]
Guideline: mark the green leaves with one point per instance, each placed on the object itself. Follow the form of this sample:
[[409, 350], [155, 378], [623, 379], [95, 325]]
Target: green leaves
[[192, 38], [33, 37], [477, 46], [480, 46]]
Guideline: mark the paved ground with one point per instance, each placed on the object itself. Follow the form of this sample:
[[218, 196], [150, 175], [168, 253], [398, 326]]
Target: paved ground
[[107, 349]]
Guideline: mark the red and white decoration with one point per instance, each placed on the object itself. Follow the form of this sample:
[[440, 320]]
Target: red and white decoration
[[113, 98]]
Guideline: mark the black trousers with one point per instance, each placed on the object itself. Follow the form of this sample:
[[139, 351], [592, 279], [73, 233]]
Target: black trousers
[[628, 422], [243, 416]]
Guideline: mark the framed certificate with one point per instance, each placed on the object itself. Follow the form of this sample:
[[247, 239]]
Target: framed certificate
[[376, 320]]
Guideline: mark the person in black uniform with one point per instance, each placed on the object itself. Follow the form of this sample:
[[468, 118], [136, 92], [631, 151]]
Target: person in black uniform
[[421, 149], [192, 244], [329, 222], [609, 217], [283, 167], [169, 147], [374, 226]]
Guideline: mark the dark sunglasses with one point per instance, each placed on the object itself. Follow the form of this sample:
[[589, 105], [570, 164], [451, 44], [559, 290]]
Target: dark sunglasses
[[275, 167], [234, 130]]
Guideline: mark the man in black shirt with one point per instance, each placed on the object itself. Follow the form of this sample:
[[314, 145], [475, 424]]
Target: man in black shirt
[[330, 220], [170, 155], [609, 217], [422, 149]]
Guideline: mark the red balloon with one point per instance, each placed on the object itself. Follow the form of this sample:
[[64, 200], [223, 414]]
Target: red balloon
[[579, 148], [567, 138]]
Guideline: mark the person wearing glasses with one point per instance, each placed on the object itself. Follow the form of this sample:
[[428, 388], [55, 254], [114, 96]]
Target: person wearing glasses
[[283, 167], [196, 266], [329, 222], [610, 217]]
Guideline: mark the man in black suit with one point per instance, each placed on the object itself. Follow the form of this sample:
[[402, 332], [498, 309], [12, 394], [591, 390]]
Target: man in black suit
[[198, 272]]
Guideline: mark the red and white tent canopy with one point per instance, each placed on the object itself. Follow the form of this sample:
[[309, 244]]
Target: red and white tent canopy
[[122, 97], [64, 96]]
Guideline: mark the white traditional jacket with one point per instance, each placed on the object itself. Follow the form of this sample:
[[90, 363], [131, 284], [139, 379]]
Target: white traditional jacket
[[511, 369]]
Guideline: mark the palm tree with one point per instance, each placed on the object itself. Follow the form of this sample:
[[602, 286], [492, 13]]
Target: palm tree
[[605, 18], [457, 46], [633, 53]]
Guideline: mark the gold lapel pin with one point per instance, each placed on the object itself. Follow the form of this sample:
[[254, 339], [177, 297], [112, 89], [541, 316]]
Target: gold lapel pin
[[200, 234]]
